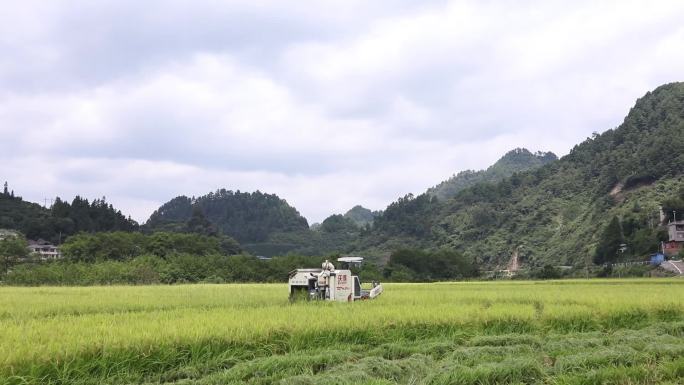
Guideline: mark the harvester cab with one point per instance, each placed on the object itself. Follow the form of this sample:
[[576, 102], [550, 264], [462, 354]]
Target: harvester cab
[[330, 284]]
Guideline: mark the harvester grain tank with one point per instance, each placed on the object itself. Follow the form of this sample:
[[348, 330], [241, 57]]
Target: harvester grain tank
[[330, 284]]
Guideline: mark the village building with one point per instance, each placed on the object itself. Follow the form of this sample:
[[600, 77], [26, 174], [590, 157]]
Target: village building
[[675, 235], [44, 250]]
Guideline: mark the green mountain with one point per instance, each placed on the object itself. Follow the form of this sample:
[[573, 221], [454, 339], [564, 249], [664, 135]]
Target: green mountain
[[559, 213], [62, 218], [361, 216], [247, 217], [514, 161]]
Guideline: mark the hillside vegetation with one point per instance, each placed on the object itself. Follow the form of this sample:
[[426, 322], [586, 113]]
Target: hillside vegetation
[[62, 219], [598, 204], [351, 232], [556, 213], [517, 160], [361, 216], [247, 217]]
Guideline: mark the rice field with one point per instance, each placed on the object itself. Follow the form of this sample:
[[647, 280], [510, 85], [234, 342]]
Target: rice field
[[558, 332]]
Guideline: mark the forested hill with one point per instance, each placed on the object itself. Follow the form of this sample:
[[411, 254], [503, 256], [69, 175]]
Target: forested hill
[[62, 218], [560, 212], [247, 217], [361, 216], [517, 160]]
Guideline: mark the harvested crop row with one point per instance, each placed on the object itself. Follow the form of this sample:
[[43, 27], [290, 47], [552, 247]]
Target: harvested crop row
[[523, 332]]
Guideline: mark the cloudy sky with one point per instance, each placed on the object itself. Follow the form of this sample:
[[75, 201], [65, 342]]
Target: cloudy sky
[[326, 103]]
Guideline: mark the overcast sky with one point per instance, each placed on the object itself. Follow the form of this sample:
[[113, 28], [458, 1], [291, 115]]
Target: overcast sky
[[326, 103]]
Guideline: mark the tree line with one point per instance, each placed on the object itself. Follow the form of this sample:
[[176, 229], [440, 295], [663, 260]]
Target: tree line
[[136, 258], [122, 246], [62, 219]]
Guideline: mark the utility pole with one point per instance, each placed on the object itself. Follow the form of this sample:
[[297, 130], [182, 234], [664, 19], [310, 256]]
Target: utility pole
[[587, 262]]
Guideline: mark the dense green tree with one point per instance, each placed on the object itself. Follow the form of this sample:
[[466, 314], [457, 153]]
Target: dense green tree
[[409, 215], [198, 223], [228, 245], [62, 219], [153, 269], [421, 265], [646, 241], [172, 213], [517, 160], [674, 206], [12, 249], [361, 215], [339, 223], [548, 271], [91, 247], [247, 217], [608, 249]]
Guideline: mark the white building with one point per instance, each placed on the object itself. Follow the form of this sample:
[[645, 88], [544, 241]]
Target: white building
[[45, 250], [675, 231]]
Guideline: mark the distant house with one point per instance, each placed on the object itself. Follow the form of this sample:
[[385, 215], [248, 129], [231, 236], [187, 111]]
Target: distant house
[[44, 249], [675, 231], [675, 242]]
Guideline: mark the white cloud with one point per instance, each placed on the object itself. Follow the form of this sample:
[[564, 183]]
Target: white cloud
[[328, 105]]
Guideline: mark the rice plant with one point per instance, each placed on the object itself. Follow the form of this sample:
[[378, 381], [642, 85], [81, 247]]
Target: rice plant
[[565, 332]]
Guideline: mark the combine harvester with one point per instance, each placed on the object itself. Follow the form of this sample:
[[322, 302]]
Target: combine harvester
[[329, 284]]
